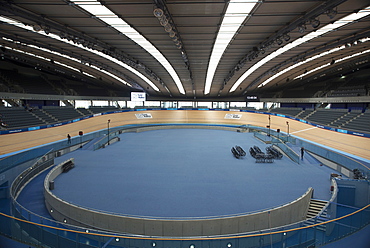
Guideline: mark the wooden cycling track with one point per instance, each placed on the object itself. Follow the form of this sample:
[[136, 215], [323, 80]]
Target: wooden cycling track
[[356, 145]]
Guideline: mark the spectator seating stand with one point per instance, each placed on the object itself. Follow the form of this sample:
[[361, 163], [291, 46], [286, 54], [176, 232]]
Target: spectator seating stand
[[359, 122], [62, 113], [326, 116], [17, 117], [84, 111]]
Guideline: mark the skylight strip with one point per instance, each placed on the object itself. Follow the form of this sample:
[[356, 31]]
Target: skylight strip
[[234, 17], [104, 14], [299, 64], [327, 28], [64, 56], [137, 73], [328, 64], [353, 55], [47, 59], [114, 76], [308, 60], [52, 52]]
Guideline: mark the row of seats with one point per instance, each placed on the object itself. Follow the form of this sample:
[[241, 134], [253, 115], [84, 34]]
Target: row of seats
[[27, 83], [325, 116], [85, 111], [67, 113], [360, 123], [20, 117], [27, 80], [338, 118], [348, 91]]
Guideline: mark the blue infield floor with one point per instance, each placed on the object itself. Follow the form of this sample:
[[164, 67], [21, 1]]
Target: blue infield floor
[[182, 173]]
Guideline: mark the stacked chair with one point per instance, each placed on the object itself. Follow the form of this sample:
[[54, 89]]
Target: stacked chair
[[238, 152], [274, 152], [260, 156]]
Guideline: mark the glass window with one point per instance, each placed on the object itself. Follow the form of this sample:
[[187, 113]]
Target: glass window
[[169, 104], [204, 104], [152, 103], [122, 104], [221, 105], [256, 105], [5, 103], [101, 103], [238, 104], [131, 104], [185, 104], [82, 104]]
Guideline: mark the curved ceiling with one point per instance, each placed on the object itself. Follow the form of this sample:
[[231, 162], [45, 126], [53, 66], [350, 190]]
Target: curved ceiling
[[190, 49]]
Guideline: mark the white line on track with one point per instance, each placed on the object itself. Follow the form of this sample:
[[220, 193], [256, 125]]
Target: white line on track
[[304, 130]]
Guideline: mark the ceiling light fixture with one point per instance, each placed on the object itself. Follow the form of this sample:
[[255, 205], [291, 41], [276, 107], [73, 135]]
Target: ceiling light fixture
[[236, 12], [158, 12], [302, 28], [331, 13], [279, 41], [327, 28], [315, 23], [166, 21], [286, 37], [37, 27]]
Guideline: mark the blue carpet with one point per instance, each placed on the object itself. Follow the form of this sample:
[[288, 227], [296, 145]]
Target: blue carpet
[[32, 196], [185, 173]]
